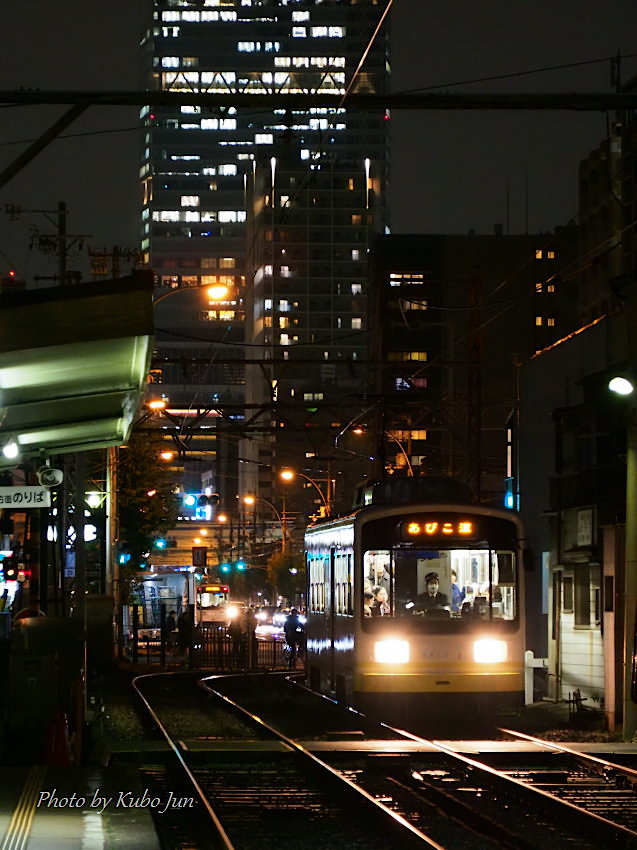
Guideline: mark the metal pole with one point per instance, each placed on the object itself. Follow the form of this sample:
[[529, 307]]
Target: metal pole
[[629, 722]]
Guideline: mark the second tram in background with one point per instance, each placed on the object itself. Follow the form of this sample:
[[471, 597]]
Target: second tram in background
[[415, 603]]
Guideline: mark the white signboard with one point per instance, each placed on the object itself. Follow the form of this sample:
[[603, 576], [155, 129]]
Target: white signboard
[[22, 498]]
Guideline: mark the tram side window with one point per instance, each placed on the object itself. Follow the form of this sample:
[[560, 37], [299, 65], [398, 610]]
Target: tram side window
[[378, 579], [316, 571], [343, 603]]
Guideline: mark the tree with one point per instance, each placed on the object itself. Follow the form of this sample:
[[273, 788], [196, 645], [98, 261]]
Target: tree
[[286, 573], [147, 503]]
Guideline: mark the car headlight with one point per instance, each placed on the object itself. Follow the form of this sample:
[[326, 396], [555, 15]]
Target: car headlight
[[391, 651], [489, 651]]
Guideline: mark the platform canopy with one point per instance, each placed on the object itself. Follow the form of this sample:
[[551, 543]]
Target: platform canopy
[[74, 362]]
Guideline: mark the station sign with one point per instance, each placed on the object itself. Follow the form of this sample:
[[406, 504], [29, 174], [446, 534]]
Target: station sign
[[23, 498]]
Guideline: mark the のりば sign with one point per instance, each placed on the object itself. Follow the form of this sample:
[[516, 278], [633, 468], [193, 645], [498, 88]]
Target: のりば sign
[[22, 498]]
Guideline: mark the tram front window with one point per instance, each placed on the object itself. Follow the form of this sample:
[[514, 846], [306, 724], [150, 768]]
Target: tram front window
[[441, 583]]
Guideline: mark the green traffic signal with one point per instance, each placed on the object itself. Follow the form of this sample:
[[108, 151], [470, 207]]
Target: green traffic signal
[[225, 568]]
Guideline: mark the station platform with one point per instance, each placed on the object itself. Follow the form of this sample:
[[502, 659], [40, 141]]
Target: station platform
[[73, 808]]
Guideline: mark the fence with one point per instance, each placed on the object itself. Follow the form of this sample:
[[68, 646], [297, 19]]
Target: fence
[[211, 648]]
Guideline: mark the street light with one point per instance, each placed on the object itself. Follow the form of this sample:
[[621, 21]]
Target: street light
[[623, 386], [360, 430], [214, 292], [251, 500], [290, 474]]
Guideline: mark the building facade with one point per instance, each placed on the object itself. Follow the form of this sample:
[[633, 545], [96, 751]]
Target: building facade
[[275, 206], [450, 316]]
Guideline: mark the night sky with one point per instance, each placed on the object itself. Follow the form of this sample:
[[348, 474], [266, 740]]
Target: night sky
[[450, 171]]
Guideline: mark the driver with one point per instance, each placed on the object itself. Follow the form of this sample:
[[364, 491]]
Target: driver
[[431, 598]]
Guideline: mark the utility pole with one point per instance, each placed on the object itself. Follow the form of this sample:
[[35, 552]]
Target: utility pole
[[108, 263], [60, 243]]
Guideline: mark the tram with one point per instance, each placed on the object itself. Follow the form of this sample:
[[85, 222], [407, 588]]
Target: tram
[[448, 631]]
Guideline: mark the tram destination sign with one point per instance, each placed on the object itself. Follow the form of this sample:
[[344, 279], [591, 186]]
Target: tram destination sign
[[439, 528], [23, 498]]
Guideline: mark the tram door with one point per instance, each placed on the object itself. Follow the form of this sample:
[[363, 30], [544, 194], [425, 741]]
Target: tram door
[[329, 617]]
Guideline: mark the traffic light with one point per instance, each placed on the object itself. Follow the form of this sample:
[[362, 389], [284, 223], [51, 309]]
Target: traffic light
[[241, 565], [225, 568], [10, 569], [165, 543]]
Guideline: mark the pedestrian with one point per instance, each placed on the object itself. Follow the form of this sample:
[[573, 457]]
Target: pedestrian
[[235, 633], [184, 632], [170, 627]]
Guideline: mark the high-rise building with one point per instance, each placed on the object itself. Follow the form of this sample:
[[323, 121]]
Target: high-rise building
[[311, 181], [451, 316]]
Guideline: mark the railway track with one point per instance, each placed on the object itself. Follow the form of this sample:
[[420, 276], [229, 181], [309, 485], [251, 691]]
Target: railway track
[[284, 765]]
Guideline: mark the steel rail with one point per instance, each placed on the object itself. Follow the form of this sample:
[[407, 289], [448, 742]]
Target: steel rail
[[227, 843], [582, 813], [303, 751]]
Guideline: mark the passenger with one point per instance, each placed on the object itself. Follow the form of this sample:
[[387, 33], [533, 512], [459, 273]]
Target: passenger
[[379, 577], [457, 594], [431, 599], [380, 608], [368, 603]]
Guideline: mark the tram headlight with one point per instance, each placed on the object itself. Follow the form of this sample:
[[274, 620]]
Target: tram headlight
[[391, 651], [232, 611], [489, 651]]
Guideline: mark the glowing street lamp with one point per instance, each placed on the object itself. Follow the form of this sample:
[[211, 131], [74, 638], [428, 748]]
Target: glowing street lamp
[[290, 474], [251, 500], [620, 385], [218, 292]]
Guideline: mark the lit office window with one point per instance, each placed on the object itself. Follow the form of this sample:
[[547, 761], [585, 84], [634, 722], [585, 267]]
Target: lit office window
[[299, 32], [190, 200], [357, 289], [357, 323], [231, 216], [539, 321]]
